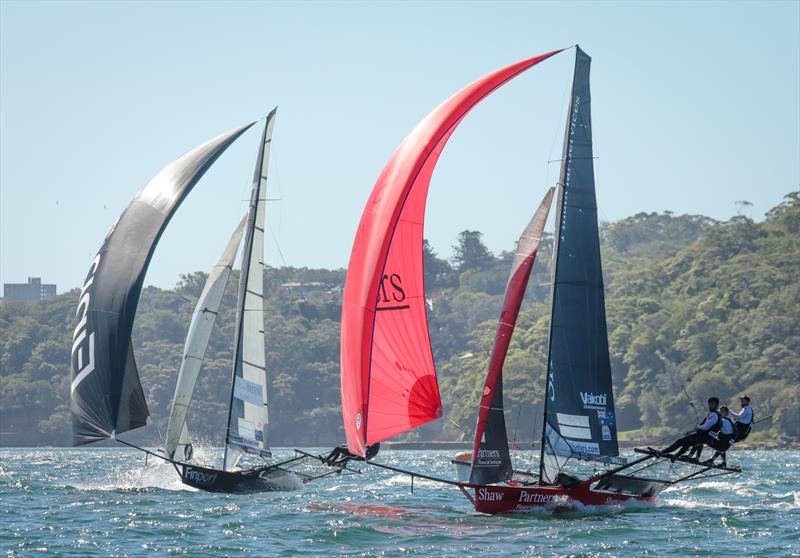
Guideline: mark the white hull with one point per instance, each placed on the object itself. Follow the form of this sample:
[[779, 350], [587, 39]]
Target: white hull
[[462, 463]]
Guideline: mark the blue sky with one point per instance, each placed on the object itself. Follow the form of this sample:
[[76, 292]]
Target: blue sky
[[695, 106]]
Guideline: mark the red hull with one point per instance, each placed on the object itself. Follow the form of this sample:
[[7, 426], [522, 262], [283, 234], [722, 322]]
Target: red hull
[[494, 499]]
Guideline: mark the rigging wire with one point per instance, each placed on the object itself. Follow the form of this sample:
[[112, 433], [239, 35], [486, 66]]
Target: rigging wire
[[533, 437], [276, 237], [691, 403], [461, 428], [559, 131], [516, 426], [279, 186], [683, 383]]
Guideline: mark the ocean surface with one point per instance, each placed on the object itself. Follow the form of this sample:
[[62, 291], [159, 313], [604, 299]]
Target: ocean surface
[[107, 502]]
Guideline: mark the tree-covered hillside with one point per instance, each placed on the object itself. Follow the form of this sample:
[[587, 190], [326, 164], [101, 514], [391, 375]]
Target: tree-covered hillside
[[709, 307]]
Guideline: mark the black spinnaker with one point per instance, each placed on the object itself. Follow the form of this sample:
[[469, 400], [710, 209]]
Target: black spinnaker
[[105, 391], [579, 416]]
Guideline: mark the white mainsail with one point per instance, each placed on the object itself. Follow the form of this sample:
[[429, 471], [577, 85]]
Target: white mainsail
[[248, 415], [203, 318]]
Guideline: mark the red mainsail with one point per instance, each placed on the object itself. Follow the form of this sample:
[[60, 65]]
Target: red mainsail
[[388, 377]]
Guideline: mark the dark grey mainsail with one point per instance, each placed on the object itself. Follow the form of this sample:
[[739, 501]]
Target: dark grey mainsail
[[106, 394], [579, 403], [248, 411]]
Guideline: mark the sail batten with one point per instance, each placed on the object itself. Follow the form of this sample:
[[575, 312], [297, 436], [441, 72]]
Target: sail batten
[[384, 315], [579, 402], [106, 394], [248, 408]]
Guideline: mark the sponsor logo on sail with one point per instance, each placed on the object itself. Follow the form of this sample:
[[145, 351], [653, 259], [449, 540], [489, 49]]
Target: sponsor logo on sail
[[586, 448], [83, 359], [200, 477], [592, 400], [488, 457], [391, 295], [573, 123]]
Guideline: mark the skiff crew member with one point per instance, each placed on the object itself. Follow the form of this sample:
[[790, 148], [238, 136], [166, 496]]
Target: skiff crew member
[[744, 419], [340, 455], [701, 435], [725, 437]]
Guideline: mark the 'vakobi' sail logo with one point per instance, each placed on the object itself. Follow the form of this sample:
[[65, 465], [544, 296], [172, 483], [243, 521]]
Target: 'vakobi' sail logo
[[593, 400], [83, 359]]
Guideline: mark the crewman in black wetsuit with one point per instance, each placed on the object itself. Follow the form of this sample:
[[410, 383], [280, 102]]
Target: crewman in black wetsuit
[[340, 455], [725, 438], [701, 435]]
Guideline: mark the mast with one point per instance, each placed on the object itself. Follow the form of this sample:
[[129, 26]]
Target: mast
[[248, 408], [491, 461], [203, 319], [579, 403], [556, 254]]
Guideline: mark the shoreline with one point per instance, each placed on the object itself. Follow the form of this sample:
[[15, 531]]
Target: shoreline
[[457, 445], [627, 444]]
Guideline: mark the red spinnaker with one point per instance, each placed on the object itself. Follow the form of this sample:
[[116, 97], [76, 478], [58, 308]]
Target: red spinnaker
[[521, 269], [388, 377]]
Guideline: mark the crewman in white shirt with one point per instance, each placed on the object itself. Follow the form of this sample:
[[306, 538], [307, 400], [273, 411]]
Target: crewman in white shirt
[[724, 438], [744, 419], [702, 434]]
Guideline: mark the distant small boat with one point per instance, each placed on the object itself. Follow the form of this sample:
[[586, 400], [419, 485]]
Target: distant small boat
[[106, 393], [389, 381]]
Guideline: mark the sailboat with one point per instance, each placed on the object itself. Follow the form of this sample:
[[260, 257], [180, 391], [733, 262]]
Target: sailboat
[[389, 381], [106, 392]]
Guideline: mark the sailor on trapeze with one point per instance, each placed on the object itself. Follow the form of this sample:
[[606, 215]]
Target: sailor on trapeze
[[704, 433], [744, 418], [724, 439]]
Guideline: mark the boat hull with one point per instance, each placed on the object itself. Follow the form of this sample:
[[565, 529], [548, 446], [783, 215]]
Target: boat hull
[[252, 480], [497, 499]]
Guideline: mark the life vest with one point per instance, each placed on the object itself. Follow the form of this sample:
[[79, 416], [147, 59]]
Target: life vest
[[743, 428], [717, 425], [726, 438], [742, 431]]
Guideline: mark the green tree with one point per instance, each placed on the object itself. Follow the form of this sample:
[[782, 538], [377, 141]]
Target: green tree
[[470, 253]]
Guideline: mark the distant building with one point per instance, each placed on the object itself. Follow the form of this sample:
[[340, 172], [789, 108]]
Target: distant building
[[308, 286], [315, 288], [31, 291]]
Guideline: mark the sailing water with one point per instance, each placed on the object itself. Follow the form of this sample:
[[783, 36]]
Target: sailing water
[[103, 502]]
